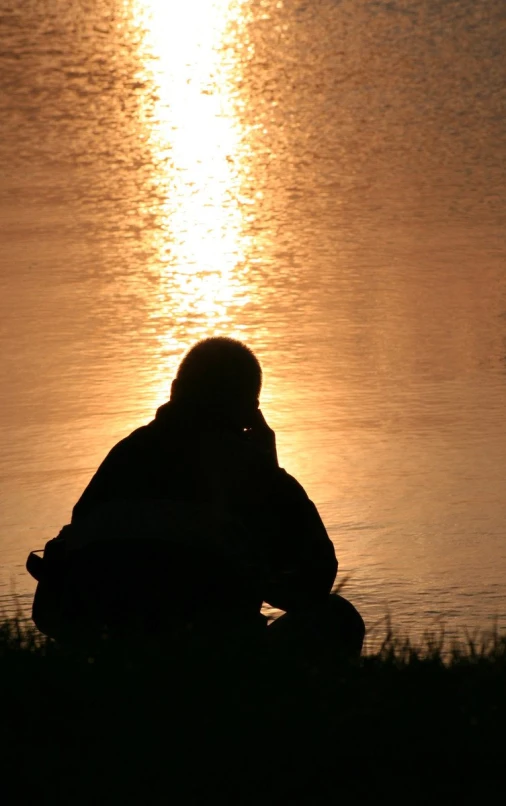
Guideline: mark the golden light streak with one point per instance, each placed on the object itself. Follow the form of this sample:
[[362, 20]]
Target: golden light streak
[[195, 137]]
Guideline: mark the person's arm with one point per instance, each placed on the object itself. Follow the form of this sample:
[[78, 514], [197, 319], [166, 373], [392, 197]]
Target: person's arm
[[118, 477], [304, 564]]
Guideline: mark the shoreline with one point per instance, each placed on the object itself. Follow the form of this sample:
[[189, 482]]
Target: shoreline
[[211, 720]]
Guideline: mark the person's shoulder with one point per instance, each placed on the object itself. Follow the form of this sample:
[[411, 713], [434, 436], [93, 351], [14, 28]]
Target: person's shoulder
[[137, 441], [289, 483]]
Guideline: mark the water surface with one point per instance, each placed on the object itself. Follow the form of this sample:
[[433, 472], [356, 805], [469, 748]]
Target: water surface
[[325, 181]]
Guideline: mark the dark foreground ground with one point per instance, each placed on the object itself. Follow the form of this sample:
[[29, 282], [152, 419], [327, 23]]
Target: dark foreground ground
[[205, 720]]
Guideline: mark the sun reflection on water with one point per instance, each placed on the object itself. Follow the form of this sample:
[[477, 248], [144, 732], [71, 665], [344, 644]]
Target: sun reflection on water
[[195, 138]]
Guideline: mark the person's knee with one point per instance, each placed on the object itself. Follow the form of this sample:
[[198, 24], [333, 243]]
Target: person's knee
[[350, 622], [331, 626]]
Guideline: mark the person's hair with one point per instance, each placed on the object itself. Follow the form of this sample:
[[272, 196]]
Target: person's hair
[[219, 369]]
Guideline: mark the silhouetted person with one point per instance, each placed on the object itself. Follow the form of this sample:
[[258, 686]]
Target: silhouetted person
[[191, 517]]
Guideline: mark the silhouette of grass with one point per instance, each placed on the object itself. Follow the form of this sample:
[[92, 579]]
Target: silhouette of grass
[[231, 721]]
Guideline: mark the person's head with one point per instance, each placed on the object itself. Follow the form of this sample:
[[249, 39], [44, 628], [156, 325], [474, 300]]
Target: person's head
[[219, 378]]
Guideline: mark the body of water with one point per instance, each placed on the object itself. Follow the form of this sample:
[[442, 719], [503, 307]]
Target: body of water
[[323, 180]]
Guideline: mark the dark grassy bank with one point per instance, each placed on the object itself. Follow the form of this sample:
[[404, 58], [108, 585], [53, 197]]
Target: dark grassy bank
[[229, 720]]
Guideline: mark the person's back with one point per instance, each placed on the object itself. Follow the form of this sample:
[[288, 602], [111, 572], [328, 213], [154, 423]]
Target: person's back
[[210, 448]]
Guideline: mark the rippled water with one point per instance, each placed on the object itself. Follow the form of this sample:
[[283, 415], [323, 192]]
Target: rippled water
[[326, 181]]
